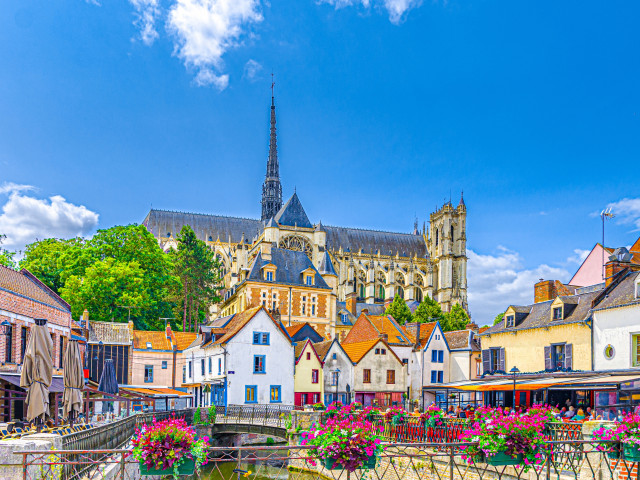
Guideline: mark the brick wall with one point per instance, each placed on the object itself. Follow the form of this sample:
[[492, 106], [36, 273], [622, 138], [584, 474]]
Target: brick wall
[[322, 306]]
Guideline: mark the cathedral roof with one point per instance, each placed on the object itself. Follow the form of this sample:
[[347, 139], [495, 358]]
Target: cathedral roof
[[162, 222], [370, 241], [326, 266], [290, 265], [292, 214]]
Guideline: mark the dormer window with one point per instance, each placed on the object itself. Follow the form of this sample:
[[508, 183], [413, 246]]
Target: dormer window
[[308, 280], [638, 287], [268, 276], [149, 345], [557, 313], [510, 321]]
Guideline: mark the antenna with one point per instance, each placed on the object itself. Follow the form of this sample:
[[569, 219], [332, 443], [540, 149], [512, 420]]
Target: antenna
[[605, 215]]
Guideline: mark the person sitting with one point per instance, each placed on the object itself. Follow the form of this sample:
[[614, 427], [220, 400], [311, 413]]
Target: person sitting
[[450, 412], [578, 417], [569, 414]]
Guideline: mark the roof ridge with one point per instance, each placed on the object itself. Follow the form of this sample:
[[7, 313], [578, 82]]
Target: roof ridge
[[373, 230], [204, 214]]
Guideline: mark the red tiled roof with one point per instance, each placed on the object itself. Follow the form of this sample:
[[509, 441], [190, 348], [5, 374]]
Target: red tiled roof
[[158, 340], [183, 339]]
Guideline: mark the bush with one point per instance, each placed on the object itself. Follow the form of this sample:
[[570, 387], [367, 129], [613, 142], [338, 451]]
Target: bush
[[212, 415], [318, 406], [197, 417], [270, 441]]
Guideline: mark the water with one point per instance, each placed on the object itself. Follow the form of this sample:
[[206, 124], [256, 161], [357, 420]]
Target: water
[[259, 467]]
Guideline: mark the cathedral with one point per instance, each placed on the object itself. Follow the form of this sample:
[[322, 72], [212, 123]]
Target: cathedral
[[323, 274]]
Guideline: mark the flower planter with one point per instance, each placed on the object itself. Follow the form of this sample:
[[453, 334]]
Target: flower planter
[[631, 453], [613, 451], [331, 464], [395, 421], [501, 459], [187, 467]]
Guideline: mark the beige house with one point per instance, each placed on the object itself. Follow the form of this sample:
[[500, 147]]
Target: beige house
[[380, 376], [308, 383]]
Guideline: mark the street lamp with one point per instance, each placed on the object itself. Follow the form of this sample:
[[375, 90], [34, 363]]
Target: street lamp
[[6, 328], [514, 370], [337, 373]]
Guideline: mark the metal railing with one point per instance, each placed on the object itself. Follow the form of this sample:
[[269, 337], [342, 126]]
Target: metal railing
[[565, 460], [266, 415]]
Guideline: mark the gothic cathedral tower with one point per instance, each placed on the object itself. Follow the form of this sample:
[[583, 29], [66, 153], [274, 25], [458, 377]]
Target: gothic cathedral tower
[[448, 252], [272, 188]]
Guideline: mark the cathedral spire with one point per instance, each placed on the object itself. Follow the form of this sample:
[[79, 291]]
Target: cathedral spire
[[271, 188]]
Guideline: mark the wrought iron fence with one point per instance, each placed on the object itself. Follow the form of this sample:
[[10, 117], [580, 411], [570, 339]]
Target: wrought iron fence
[[272, 415], [559, 460]]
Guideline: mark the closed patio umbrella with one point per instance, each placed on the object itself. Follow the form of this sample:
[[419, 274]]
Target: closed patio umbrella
[[73, 382], [37, 371], [108, 383]]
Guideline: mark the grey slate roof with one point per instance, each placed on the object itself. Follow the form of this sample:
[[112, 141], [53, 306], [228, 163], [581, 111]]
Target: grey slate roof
[[109, 333], [622, 294], [577, 309], [370, 241], [290, 266], [292, 214], [374, 308], [162, 222], [326, 266]]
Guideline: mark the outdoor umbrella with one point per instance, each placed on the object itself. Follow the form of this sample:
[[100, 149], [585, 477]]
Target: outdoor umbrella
[[73, 382], [108, 383], [37, 371]]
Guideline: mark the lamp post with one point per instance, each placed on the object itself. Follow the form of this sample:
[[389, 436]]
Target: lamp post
[[337, 372], [514, 370]]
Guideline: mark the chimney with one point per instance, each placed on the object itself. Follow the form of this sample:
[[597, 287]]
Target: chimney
[[365, 311], [618, 261], [473, 327], [85, 315], [131, 329], [167, 330], [417, 335], [385, 337], [351, 303], [544, 290]]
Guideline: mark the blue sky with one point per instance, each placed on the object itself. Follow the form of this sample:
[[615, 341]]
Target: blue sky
[[384, 108]]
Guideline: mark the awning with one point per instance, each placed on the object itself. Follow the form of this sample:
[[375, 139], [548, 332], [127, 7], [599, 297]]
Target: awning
[[158, 392], [594, 382], [57, 383]]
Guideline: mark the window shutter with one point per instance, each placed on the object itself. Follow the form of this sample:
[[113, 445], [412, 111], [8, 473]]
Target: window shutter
[[501, 362], [547, 358], [568, 356], [486, 361]]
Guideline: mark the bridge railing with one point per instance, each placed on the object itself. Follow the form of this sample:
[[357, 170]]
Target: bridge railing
[[566, 460], [271, 415]]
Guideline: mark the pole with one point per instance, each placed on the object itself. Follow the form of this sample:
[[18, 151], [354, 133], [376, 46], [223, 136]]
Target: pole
[[337, 382], [514, 390]]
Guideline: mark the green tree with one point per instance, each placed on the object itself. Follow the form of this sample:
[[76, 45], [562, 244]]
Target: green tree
[[51, 259], [105, 287], [6, 257], [399, 310], [428, 311], [498, 318], [198, 270], [455, 319]]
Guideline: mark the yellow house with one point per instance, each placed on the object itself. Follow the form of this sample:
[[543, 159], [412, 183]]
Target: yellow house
[[550, 335], [308, 380]]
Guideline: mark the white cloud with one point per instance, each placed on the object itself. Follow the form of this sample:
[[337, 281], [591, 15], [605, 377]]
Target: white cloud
[[10, 187], [146, 13], [627, 211], [578, 256], [497, 281], [26, 218], [251, 69], [396, 9], [205, 29]]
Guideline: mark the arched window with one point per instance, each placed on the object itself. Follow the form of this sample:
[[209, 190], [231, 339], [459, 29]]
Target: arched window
[[451, 232], [361, 291], [296, 243], [401, 292], [381, 292], [418, 295], [436, 237]]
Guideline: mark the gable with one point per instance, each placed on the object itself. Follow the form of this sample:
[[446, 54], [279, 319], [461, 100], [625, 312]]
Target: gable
[[437, 337], [361, 331]]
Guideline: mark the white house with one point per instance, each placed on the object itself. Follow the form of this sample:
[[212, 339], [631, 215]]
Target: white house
[[251, 358], [616, 325], [338, 374], [430, 366], [465, 362]]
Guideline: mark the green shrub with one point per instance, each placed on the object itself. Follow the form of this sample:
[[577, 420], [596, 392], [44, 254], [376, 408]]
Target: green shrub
[[270, 441], [212, 415], [196, 417]]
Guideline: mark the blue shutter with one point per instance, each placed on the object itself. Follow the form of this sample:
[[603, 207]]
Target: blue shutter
[[440, 356], [434, 355], [440, 376], [434, 376]]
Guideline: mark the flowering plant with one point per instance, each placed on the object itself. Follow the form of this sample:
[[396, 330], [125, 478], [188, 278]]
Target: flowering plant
[[318, 406], [168, 444], [357, 405], [543, 412], [349, 442], [629, 430], [395, 415], [334, 409], [370, 413], [512, 435], [609, 436], [432, 416]]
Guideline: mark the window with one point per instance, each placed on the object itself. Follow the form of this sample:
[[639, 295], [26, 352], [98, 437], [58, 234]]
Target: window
[[440, 356], [434, 356], [345, 318], [510, 321], [189, 369], [164, 365], [377, 352], [260, 338], [557, 355], [366, 375], [149, 345], [313, 307], [309, 280], [478, 368], [251, 394], [335, 356], [494, 359], [434, 376], [334, 378], [405, 361], [202, 366], [304, 305], [637, 289], [391, 377], [184, 374], [314, 376], [383, 351], [635, 353], [61, 356], [440, 376], [308, 355], [557, 313], [316, 398], [23, 342], [269, 277], [210, 365], [148, 374], [9, 346], [219, 366], [258, 364], [274, 396]]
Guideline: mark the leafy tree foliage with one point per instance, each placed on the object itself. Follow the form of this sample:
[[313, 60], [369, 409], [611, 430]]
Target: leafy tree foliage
[[399, 310], [52, 259], [455, 319], [6, 257], [428, 311], [199, 273], [498, 318]]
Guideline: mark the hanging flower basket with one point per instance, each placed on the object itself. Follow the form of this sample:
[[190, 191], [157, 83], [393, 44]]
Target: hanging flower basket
[[368, 464], [397, 416], [188, 467], [631, 452], [502, 459]]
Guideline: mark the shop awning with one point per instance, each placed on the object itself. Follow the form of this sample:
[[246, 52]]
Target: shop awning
[[158, 392], [57, 383]]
